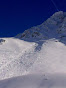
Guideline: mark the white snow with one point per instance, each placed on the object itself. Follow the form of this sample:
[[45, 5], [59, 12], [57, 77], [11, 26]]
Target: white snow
[[38, 61]]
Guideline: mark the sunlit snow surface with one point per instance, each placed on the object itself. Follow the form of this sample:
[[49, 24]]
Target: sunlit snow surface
[[35, 60], [28, 67]]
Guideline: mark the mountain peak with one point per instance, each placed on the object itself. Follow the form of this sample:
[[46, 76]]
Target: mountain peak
[[58, 16], [53, 27], [60, 13]]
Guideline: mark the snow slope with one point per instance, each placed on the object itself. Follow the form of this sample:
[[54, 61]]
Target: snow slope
[[13, 57], [29, 67], [36, 58], [35, 81]]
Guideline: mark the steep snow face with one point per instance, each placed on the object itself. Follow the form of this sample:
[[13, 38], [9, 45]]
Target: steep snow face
[[53, 27]]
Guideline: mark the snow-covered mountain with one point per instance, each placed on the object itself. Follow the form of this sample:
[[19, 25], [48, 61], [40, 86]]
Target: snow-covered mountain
[[53, 27], [37, 57]]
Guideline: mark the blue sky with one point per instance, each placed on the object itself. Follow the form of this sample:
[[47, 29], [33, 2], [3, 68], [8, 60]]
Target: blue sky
[[19, 15]]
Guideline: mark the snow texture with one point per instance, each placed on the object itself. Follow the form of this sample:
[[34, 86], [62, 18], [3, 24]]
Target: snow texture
[[37, 57]]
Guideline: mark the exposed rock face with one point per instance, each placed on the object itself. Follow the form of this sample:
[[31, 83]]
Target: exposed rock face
[[1, 41], [53, 27]]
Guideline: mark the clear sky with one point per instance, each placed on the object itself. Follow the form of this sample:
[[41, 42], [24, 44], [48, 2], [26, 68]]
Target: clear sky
[[19, 15]]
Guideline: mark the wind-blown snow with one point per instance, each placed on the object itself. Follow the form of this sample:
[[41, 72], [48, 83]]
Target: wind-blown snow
[[36, 58]]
